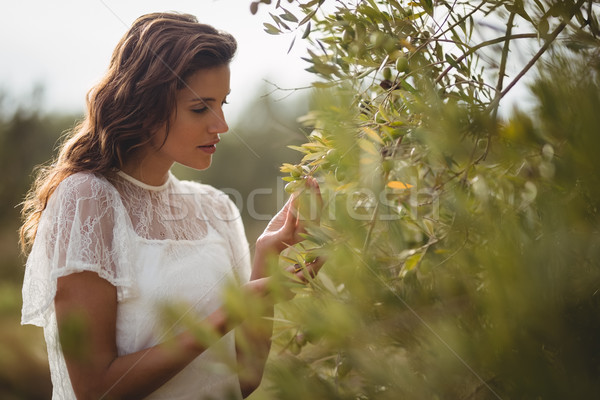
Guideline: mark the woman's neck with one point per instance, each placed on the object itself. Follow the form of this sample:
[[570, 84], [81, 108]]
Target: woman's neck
[[147, 169]]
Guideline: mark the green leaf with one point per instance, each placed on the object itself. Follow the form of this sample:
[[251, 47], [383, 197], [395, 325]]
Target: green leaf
[[313, 156], [298, 148], [427, 6], [452, 61], [368, 146], [408, 86], [543, 27], [271, 29], [373, 135], [312, 3], [306, 31], [471, 27], [519, 9], [417, 15], [308, 17], [288, 16], [540, 6], [325, 69], [411, 263], [291, 45], [276, 19]]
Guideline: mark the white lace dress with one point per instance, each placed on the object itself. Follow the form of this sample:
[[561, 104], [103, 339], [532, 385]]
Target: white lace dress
[[181, 241]]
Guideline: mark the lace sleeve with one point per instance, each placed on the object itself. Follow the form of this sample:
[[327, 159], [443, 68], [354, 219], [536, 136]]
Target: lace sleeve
[[82, 229]]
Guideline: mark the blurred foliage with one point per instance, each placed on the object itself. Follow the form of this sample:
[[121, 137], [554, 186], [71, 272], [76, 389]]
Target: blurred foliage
[[463, 247], [27, 138]]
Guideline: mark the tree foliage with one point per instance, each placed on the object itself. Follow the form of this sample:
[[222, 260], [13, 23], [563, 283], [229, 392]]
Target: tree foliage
[[463, 246]]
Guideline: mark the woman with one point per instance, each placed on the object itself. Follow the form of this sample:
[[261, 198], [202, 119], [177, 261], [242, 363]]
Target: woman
[[114, 235]]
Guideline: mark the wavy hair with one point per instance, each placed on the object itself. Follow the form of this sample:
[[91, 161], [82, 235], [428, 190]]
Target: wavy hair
[[134, 98]]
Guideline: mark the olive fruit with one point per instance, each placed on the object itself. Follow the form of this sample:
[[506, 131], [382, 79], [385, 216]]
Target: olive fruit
[[387, 165], [294, 348], [387, 73], [402, 64]]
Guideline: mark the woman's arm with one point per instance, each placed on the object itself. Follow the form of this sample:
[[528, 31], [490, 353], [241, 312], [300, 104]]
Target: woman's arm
[[86, 310], [253, 338]]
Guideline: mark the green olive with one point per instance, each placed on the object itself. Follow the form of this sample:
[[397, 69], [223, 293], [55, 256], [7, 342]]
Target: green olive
[[339, 175], [377, 39], [356, 49], [387, 73], [294, 348], [348, 35], [402, 64], [360, 31], [389, 44], [387, 165], [308, 258]]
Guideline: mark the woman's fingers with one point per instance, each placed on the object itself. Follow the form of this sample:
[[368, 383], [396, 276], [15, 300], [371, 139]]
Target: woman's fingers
[[309, 270], [314, 185], [286, 227], [291, 216], [310, 201]]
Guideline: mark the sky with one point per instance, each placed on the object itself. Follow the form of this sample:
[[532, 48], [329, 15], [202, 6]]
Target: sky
[[65, 46]]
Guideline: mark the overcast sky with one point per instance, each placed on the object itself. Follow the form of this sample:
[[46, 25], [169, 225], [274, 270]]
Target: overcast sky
[[65, 45]]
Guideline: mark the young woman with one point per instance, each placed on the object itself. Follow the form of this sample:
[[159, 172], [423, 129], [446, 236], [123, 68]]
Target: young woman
[[113, 235]]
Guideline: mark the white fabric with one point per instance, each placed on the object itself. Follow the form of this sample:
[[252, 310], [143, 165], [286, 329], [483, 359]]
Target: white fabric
[[179, 242]]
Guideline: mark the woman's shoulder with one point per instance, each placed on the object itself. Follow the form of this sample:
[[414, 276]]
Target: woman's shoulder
[[84, 184]]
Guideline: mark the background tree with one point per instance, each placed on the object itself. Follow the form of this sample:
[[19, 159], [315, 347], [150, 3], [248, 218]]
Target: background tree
[[463, 245], [27, 139]]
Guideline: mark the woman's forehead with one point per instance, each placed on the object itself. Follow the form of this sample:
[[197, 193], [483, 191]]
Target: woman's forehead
[[207, 83]]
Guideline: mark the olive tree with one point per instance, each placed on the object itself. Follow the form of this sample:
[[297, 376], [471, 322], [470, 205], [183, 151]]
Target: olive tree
[[462, 243]]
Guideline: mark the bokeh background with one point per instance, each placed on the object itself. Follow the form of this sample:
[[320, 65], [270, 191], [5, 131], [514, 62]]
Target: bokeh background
[[52, 53]]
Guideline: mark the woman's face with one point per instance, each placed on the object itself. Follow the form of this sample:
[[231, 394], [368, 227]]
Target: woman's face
[[197, 121]]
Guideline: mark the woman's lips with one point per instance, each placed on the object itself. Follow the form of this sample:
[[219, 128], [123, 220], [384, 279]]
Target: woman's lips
[[210, 149]]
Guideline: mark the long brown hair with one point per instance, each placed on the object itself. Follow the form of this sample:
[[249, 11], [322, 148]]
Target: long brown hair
[[135, 97]]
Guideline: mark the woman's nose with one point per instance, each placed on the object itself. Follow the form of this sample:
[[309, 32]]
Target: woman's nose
[[218, 124]]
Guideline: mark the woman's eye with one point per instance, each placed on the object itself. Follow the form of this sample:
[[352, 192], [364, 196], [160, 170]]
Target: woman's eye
[[200, 110]]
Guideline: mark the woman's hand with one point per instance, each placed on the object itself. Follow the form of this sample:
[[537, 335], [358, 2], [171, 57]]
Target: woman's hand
[[310, 269], [285, 228]]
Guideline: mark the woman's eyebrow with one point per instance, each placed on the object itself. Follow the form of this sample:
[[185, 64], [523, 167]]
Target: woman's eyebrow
[[206, 99], [202, 99]]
